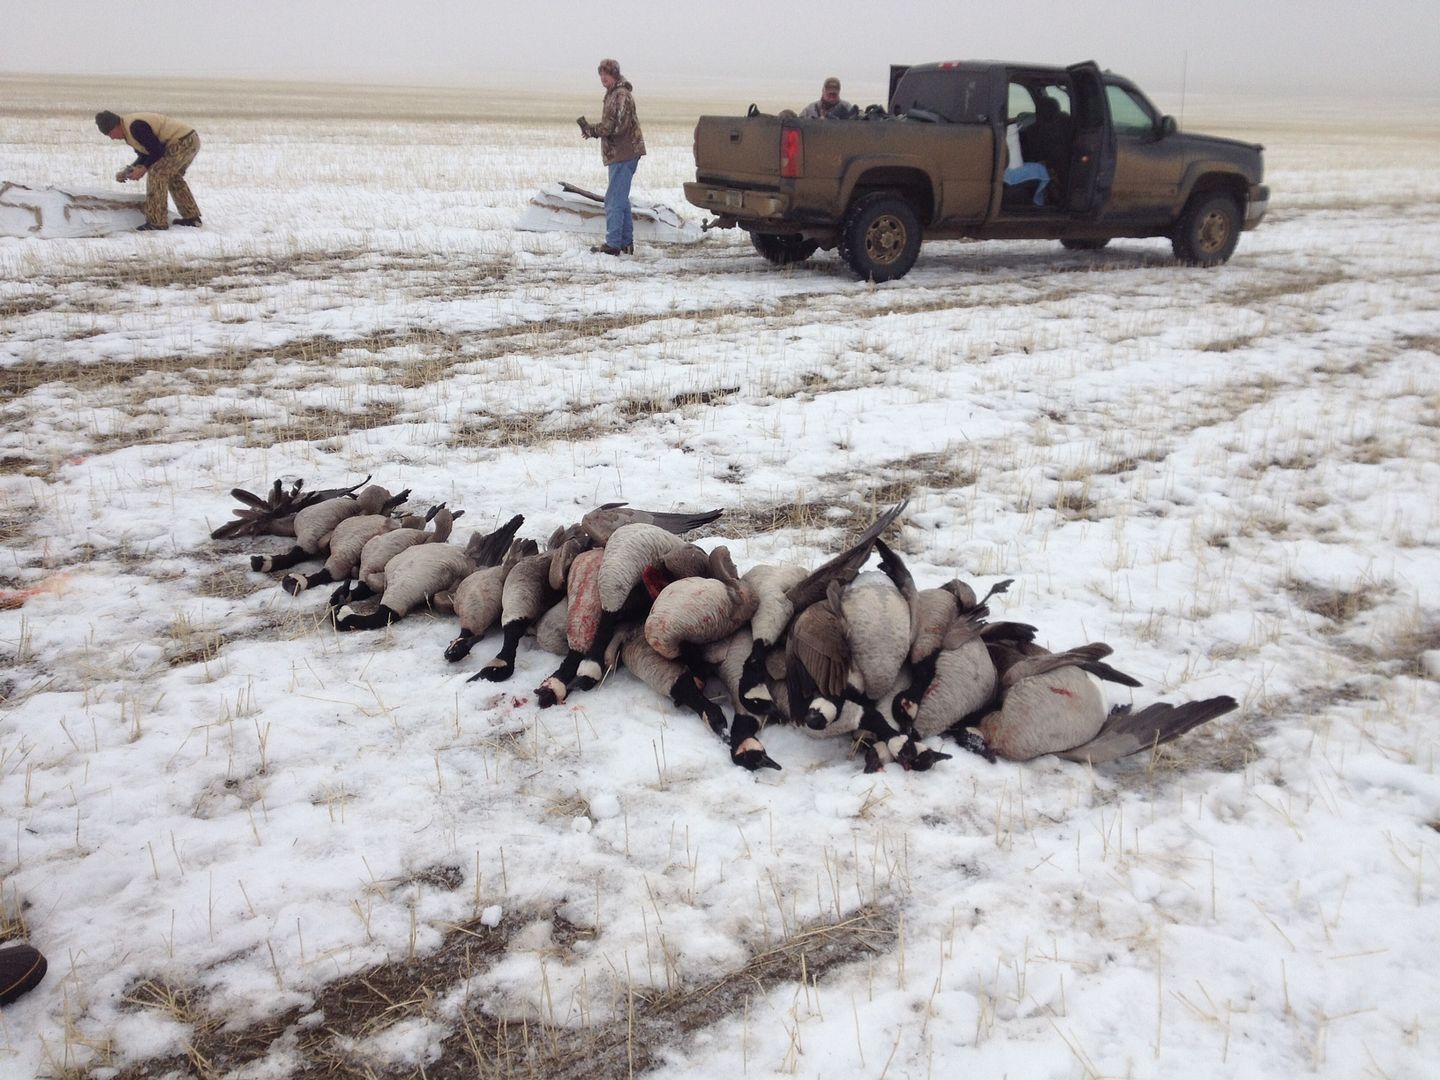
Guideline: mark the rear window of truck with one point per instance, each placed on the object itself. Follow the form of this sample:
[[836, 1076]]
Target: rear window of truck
[[956, 97]]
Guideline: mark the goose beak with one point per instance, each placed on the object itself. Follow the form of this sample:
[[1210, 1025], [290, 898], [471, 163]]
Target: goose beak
[[753, 759], [925, 760]]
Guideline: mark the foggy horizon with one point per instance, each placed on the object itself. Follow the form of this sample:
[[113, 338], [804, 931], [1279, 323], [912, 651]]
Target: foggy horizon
[[1285, 49]]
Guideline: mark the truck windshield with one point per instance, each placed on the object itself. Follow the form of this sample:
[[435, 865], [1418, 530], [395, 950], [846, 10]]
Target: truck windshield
[[957, 97]]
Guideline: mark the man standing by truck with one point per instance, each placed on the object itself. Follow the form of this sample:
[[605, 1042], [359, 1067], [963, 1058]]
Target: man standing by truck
[[622, 145], [166, 148]]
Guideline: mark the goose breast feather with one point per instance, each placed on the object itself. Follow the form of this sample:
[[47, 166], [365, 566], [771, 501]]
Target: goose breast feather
[[1045, 713], [877, 625], [420, 572]]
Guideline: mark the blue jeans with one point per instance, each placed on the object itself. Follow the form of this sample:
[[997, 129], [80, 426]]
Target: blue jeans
[[1031, 171], [619, 225]]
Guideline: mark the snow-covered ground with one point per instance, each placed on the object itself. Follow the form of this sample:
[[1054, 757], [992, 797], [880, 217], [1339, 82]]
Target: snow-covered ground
[[251, 846]]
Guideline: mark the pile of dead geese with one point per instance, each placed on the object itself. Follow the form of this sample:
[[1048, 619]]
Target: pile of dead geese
[[837, 650]]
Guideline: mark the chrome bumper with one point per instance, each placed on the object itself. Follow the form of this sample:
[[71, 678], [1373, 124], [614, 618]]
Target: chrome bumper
[[736, 202]]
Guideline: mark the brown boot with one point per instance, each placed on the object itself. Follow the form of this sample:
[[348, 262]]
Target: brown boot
[[606, 249]]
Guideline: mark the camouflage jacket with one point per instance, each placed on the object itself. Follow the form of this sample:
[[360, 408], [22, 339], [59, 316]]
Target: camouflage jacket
[[619, 127]]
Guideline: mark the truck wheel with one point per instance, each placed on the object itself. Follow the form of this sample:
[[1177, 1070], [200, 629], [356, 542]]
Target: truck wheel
[[783, 250], [1084, 244], [1208, 230], [880, 237]]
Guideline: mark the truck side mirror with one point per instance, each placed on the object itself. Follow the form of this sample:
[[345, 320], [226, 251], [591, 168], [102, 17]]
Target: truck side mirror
[[1167, 126]]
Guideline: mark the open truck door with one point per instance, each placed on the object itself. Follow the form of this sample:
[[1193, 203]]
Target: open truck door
[[897, 72], [1092, 161]]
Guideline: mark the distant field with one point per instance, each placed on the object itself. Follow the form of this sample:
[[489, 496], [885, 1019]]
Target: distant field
[[247, 842]]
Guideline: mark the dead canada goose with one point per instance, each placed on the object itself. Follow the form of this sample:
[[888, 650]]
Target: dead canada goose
[[851, 646], [699, 610], [375, 556], [771, 584], [599, 524], [959, 677], [423, 571], [579, 576], [412, 578], [782, 596], [961, 683], [952, 677], [938, 613], [668, 677], [314, 524], [477, 599], [582, 611], [1052, 706], [639, 560], [346, 544], [274, 514], [526, 596], [726, 659]]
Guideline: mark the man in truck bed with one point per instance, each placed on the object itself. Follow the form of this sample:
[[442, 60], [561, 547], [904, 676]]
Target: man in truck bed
[[829, 103]]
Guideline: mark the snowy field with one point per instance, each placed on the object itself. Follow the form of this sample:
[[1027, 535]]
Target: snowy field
[[251, 847]]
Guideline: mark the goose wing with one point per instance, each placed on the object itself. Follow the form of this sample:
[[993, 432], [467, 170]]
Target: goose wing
[[599, 523], [818, 654], [1126, 732], [1043, 664], [490, 549], [842, 567]]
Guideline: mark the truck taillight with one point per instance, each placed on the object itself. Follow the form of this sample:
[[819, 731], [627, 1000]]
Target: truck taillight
[[790, 149]]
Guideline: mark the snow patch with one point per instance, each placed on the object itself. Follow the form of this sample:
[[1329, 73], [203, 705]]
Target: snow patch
[[51, 213]]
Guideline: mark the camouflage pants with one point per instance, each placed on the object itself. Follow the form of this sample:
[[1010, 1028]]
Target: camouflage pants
[[167, 177]]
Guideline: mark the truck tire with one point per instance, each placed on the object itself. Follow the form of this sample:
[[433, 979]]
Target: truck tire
[[1086, 244], [880, 237], [783, 250], [1208, 229]]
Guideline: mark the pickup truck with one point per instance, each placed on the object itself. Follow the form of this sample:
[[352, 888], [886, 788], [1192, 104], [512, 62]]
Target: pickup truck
[[932, 164]]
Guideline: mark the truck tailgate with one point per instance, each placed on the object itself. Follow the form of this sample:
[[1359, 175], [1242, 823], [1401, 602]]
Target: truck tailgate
[[740, 150]]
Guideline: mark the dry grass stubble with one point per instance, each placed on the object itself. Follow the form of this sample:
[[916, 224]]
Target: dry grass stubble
[[356, 1007]]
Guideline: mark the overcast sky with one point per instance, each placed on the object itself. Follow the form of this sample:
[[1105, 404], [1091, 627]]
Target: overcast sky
[[1281, 46]]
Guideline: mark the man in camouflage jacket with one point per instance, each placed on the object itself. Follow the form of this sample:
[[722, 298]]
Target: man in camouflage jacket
[[622, 145], [166, 147]]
